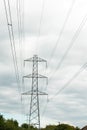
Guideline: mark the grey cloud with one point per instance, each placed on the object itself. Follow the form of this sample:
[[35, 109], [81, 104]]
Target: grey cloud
[[69, 105]]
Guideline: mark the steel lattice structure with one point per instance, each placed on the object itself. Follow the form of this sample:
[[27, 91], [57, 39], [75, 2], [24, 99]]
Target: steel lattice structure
[[34, 115]]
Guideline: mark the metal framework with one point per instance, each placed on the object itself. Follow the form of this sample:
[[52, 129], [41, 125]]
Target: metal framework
[[34, 115]]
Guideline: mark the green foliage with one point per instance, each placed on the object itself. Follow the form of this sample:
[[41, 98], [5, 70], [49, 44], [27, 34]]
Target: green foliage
[[24, 126], [65, 127], [2, 122], [77, 128], [50, 127], [11, 124]]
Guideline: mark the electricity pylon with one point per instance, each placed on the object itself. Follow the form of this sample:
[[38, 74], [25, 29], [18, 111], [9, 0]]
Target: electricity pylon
[[34, 115]]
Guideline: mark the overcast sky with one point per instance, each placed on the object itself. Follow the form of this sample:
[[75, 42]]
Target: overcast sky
[[56, 31]]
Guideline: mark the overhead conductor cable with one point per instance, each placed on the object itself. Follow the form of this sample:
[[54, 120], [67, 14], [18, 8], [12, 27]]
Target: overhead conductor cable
[[11, 36], [79, 29], [61, 32]]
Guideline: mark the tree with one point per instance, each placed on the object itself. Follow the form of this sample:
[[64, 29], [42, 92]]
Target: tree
[[64, 127], [11, 124], [15, 123], [77, 128], [2, 122], [49, 127], [24, 125]]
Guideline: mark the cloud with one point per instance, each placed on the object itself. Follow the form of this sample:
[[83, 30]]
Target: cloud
[[69, 105]]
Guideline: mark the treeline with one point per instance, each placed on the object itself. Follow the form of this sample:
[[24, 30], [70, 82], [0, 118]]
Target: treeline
[[11, 124]]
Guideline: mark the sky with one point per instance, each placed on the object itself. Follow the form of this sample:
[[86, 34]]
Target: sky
[[55, 30]]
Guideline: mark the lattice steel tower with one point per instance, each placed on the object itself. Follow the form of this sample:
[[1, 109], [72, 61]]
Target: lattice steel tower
[[34, 115]]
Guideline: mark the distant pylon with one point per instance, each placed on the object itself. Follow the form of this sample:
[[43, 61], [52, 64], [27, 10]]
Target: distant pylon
[[34, 115]]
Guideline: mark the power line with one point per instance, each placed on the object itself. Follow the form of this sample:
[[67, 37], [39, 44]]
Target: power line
[[14, 49], [45, 107], [11, 36], [71, 43], [61, 32], [19, 29], [20, 19], [67, 84], [41, 18], [58, 40]]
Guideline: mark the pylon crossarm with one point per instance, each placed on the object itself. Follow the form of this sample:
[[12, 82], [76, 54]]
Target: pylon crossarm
[[42, 93], [27, 93], [28, 76], [32, 93], [41, 60], [30, 60], [38, 59], [41, 76], [32, 76]]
